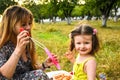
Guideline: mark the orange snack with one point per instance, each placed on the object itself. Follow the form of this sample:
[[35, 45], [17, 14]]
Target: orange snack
[[62, 76]]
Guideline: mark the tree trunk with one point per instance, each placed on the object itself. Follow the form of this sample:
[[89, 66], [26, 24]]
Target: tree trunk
[[68, 21], [42, 21], [104, 20], [54, 19], [115, 18]]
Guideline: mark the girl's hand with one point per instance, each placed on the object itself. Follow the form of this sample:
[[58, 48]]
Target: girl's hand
[[48, 62], [70, 56], [22, 40]]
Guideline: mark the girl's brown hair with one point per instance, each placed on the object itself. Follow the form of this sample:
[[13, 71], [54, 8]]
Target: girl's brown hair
[[85, 29]]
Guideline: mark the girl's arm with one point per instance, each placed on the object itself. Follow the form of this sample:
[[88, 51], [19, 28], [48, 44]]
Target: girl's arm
[[90, 69]]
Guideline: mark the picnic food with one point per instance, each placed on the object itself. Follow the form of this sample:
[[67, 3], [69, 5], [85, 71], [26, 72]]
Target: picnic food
[[62, 76]]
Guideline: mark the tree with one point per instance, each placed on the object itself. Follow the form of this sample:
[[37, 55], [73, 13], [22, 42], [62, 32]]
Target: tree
[[104, 6], [66, 6], [115, 9], [6, 3], [78, 11], [53, 9], [40, 11]]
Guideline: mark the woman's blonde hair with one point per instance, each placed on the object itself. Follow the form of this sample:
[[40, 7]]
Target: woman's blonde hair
[[11, 16]]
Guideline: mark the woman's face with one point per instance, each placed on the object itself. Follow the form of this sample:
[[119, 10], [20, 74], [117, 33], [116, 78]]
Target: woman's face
[[25, 25]]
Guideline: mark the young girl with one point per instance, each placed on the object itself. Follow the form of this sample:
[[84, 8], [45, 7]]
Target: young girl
[[84, 40]]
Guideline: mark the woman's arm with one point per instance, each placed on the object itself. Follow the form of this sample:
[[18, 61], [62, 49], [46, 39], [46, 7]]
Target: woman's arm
[[47, 63], [42, 66], [8, 69]]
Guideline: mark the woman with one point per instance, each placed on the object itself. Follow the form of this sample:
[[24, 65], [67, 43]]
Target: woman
[[17, 51]]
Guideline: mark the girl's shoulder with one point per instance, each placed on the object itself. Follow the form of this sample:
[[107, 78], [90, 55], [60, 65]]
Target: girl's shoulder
[[90, 59], [91, 62]]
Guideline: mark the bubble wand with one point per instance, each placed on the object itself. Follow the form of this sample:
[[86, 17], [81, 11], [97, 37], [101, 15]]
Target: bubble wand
[[45, 49]]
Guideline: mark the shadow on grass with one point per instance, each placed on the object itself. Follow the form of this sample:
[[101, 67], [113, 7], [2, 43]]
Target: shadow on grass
[[112, 27]]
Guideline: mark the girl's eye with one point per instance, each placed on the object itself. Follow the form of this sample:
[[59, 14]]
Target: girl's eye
[[78, 43], [30, 23], [86, 42]]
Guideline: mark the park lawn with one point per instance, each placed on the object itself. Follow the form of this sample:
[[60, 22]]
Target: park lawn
[[55, 38]]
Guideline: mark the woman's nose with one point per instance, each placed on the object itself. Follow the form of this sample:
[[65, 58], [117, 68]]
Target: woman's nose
[[28, 27]]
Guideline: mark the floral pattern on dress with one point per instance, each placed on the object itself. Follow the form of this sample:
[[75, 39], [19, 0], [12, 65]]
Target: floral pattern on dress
[[24, 70]]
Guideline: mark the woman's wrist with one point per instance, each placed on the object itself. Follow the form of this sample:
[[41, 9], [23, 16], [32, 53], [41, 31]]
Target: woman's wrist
[[44, 66], [18, 56], [17, 52]]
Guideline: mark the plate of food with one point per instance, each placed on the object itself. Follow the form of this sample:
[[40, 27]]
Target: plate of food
[[59, 75]]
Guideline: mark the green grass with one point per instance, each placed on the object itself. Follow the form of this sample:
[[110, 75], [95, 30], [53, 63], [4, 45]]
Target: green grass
[[55, 37]]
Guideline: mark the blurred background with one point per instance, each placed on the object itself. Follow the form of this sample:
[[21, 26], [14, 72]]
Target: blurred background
[[54, 19]]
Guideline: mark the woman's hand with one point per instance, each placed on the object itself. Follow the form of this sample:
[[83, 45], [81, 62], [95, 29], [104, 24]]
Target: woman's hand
[[22, 40], [48, 62]]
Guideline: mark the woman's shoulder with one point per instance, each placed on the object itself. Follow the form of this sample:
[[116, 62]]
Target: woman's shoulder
[[8, 47], [7, 44]]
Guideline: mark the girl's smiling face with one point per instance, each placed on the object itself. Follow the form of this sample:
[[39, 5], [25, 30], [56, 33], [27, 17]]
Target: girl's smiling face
[[83, 44]]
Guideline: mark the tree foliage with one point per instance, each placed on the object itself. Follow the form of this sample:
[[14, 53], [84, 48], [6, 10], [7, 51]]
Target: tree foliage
[[67, 8], [6, 3], [104, 6], [79, 10]]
